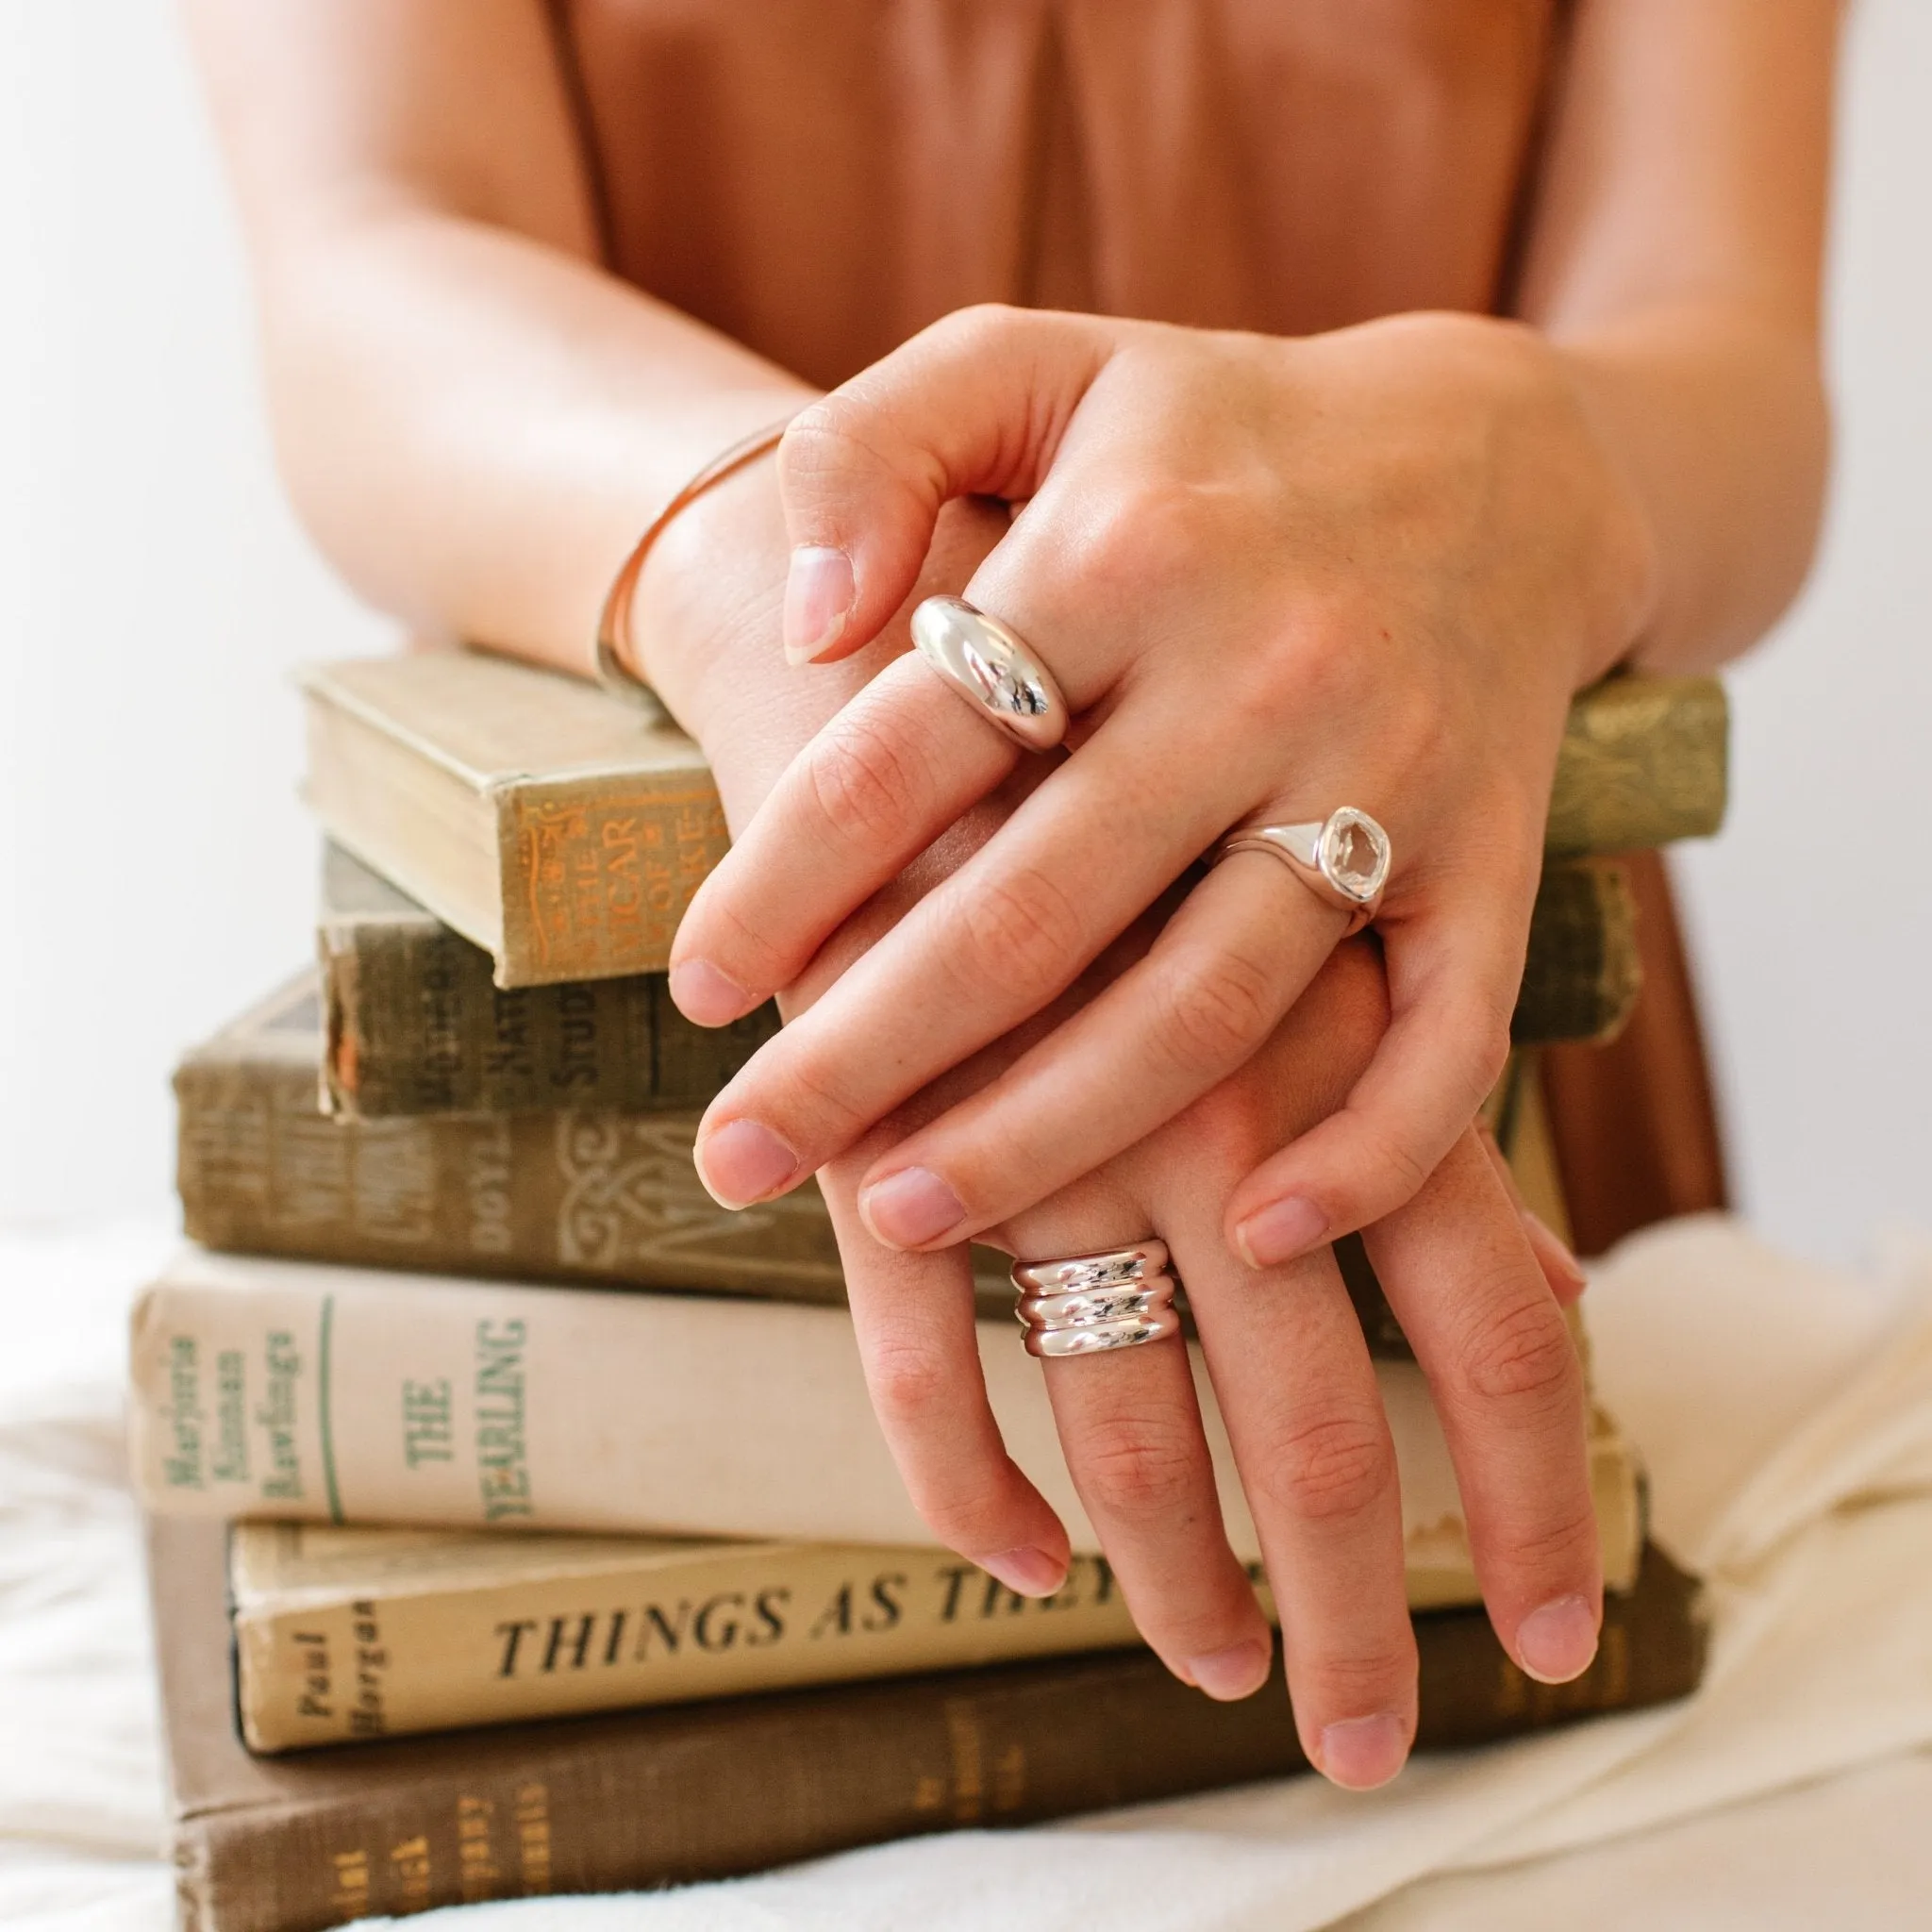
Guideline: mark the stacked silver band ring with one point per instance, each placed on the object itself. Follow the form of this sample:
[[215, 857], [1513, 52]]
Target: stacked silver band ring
[[1085, 1304]]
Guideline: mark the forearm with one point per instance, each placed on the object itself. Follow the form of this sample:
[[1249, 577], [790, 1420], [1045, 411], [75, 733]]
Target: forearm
[[476, 420], [477, 426], [1673, 260], [1719, 421]]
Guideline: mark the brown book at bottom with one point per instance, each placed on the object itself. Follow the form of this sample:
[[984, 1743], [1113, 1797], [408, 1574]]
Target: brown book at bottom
[[639, 1799]]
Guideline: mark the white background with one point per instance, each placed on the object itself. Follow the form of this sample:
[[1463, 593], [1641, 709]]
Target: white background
[[155, 870]]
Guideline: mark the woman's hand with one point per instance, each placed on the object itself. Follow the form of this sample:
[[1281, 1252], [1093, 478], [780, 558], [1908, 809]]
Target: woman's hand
[[1290, 1369], [1294, 1382], [1272, 577]]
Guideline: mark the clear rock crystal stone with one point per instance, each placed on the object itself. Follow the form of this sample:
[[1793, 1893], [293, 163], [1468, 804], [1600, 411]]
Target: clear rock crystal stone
[[1355, 854]]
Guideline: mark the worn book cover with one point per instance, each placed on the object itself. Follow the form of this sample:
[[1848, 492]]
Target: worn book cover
[[277, 1390], [417, 1024], [564, 832], [652, 1798], [573, 1193], [1583, 971], [570, 1195]]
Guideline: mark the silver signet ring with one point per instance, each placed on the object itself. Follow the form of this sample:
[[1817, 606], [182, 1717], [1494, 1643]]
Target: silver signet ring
[[1344, 859], [993, 668]]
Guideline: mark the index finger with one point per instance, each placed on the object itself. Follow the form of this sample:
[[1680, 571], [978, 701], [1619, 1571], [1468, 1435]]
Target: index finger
[[901, 761]]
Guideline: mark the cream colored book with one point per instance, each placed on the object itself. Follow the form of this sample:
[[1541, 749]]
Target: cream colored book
[[564, 830], [272, 1390]]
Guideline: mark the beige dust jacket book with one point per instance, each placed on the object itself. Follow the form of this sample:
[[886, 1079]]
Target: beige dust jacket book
[[282, 1389]]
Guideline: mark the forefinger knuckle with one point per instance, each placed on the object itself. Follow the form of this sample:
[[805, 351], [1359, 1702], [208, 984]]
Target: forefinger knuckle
[[1214, 1012], [1327, 1466], [909, 1381], [1138, 1467], [1399, 1169], [864, 782], [1021, 930], [1523, 1358]]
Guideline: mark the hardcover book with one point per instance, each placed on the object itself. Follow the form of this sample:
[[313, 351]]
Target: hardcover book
[[570, 1195], [573, 1193], [1583, 972], [564, 832], [417, 1024], [648, 1798], [276, 1389], [348, 1633]]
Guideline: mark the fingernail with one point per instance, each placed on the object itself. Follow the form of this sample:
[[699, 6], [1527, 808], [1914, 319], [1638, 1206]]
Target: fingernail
[[1359, 1753], [1556, 1643], [1031, 1573], [1552, 1253], [1280, 1231], [705, 996], [911, 1207], [744, 1161], [1239, 1670], [818, 599]]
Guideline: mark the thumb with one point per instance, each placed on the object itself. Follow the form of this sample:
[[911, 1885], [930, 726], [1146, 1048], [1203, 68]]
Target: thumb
[[974, 406]]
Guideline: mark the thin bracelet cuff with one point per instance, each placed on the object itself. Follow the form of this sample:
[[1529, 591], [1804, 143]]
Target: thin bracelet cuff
[[614, 620]]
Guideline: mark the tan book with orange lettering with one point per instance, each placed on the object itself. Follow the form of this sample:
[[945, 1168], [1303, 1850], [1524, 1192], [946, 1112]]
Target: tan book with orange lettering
[[564, 830]]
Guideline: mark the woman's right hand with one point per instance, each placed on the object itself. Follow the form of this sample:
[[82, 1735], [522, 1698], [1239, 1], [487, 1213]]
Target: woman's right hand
[[1295, 1387]]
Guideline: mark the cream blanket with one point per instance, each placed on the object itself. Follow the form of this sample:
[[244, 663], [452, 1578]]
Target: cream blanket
[[1787, 1416]]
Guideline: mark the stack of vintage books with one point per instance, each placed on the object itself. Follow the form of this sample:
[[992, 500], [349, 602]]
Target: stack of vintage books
[[519, 1524]]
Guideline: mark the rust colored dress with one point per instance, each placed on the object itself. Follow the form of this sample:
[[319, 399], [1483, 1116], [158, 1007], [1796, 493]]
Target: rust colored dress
[[821, 178]]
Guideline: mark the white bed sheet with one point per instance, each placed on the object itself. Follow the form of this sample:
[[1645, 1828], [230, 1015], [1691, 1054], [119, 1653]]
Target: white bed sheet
[[1787, 1414]]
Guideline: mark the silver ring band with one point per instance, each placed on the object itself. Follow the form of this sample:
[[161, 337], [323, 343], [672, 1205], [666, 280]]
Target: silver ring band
[[1093, 1304], [1107, 1268], [1344, 859], [1087, 1303], [993, 669]]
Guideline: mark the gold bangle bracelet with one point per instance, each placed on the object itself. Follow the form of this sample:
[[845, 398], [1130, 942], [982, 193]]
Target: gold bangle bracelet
[[614, 620]]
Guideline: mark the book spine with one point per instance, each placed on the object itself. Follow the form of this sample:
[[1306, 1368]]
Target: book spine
[[270, 1391], [597, 872], [580, 1195], [1582, 973], [368, 1661], [1643, 762], [417, 1026], [416, 1023], [571, 1195], [673, 1797]]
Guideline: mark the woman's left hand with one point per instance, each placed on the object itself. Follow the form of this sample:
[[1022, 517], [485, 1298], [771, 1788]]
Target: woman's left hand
[[1271, 578]]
